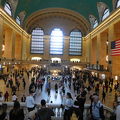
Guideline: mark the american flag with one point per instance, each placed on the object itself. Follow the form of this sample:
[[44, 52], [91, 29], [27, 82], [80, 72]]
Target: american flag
[[115, 46]]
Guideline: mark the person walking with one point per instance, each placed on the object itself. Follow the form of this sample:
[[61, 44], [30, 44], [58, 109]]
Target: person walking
[[103, 96], [23, 99], [6, 96]]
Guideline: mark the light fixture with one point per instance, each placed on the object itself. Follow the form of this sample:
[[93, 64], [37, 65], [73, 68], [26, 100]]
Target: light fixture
[[3, 47], [44, 66], [36, 58], [116, 77], [75, 60], [107, 58], [107, 42]]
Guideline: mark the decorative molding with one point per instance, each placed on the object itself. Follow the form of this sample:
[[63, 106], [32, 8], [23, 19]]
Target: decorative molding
[[113, 18], [92, 19], [101, 8], [22, 15], [60, 13], [13, 4]]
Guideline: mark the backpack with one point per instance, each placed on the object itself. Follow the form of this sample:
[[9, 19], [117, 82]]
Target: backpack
[[74, 116], [101, 111]]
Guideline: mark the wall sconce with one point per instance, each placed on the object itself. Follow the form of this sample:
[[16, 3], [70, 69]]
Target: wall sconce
[[107, 58], [116, 77], [107, 42], [3, 47]]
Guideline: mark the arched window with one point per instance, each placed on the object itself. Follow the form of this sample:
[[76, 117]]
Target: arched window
[[106, 13], [37, 43], [118, 4], [95, 24], [8, 9], [56, 42], [75, 43], [18, 20]]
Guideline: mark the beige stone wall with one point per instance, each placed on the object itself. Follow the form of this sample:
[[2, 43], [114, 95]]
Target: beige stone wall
[[51, 18], [13, 37], [97, 49], [17, 41], [65, 56]]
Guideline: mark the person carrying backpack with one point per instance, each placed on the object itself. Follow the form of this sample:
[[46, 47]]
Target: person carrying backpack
[[97, 111]]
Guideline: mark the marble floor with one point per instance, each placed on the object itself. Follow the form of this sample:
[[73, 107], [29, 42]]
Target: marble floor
[[55, 98]]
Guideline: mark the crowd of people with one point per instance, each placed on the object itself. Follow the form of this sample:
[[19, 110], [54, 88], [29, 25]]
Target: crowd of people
[[83, 84]]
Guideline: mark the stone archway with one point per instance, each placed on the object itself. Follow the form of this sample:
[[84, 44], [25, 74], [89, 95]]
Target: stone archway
[[49, 18]]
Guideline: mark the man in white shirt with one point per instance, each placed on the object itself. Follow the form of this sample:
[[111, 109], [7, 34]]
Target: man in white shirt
[[14, 97], [30, 102]]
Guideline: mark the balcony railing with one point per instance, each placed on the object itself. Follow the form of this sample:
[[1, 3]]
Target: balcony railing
[[60, 111]]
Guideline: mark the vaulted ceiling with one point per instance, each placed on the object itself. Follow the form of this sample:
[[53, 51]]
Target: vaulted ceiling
[[84, 7]]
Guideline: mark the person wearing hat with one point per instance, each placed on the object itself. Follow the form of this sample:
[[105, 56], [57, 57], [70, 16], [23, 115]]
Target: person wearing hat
[[118, 109]]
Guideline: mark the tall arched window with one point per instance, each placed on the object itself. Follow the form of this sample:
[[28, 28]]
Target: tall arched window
[[37, 43], [95, 24], [56, 42], [18, 20], [118, 4], [106, 13], [8, 9], [75, 43]]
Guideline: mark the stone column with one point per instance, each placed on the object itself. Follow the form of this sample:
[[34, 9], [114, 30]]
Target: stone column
[[46, 47], [66, 45], [25, 47], [1, 36], [24, 56], [88, 48], [98, 48], [13, 44], [8, 43], [110, 39]]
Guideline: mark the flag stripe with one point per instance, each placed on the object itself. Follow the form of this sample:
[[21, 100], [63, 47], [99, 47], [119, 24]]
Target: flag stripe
[[115, 48]]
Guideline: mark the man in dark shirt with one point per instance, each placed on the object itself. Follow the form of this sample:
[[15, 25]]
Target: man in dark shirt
[[81, 101], [44, 113]]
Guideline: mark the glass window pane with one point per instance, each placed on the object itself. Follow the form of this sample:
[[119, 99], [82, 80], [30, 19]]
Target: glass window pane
[[118, 4], [95, 24], [37, 43], [75, 47], [18, 20], [7, 8], [56, 42], [105, 14]]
